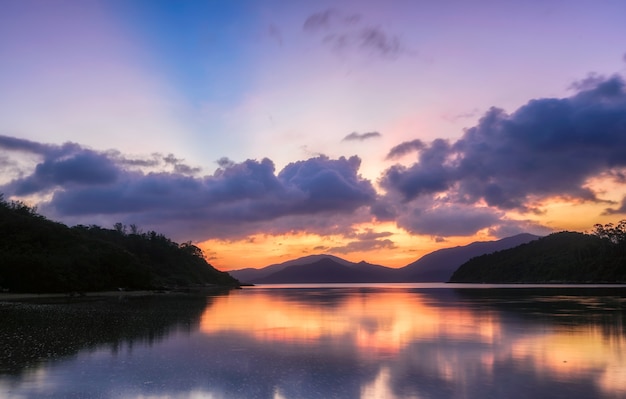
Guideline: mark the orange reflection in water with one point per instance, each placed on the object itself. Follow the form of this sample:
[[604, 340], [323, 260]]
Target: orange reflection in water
[[457, 341], [382, 322]]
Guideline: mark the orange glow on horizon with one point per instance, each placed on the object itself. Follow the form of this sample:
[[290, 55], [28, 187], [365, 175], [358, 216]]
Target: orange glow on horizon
[[261, 250], [555, 214]]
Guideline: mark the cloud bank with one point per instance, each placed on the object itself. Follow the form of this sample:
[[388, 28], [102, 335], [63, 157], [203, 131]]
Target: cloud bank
[[548, 148], [237, 199]]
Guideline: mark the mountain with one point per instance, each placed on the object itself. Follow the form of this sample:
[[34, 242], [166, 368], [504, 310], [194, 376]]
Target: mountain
[[564, 257], [436, 266], [439, 265], [251, 275], [316, 269], [329, 270]]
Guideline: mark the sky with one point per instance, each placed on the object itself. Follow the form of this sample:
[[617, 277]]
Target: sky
[[263, 131]]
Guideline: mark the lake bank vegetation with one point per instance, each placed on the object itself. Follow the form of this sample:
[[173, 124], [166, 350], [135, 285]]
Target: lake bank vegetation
[[39, 255], [565, 257]]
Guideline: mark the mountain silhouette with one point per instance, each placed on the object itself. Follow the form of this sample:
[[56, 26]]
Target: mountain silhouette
[[437, 266]]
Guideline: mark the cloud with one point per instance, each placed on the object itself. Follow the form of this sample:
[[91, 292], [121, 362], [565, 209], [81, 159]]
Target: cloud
[[329, 19], [619, 211], [429, 175], [405, 148], [449, 220], [370, 234], [550, 147], [86, 167], [47, 150], [363, 246], [274, 32], [345, 32], [354, 136], [86, 186], [547, 148]]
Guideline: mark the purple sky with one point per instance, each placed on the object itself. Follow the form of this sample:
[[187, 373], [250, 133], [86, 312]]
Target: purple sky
[[371, 129]]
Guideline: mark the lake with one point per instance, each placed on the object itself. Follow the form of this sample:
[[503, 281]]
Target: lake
[[330, 341]]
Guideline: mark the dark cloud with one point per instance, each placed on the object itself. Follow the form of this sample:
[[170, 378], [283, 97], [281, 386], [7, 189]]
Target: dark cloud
[[238, 198], [429, 175], [343, 32], [547, 148], [370, 234], [329, 19], [619, 211], [47, 150], [379, 42], [86, 167], [354, 136], [507, 228], [328, 184], [363, 246], [588, 83], [465, 115], [225, 162], [405, 148], [446, 221]]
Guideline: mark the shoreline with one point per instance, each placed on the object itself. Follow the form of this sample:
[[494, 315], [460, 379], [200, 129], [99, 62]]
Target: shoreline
[[95, 295]]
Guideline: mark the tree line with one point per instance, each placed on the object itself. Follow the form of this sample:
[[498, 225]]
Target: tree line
[[40, 255], [565, 257]]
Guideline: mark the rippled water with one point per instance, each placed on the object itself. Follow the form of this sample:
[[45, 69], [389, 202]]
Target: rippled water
[[337, 341]]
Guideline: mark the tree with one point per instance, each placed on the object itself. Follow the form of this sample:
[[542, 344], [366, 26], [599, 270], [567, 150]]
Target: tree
[[611, 232]]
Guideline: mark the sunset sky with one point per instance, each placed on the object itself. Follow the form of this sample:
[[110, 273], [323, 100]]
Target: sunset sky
[[267, 130]]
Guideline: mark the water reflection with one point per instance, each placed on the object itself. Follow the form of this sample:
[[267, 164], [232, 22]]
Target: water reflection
[[352, 342]]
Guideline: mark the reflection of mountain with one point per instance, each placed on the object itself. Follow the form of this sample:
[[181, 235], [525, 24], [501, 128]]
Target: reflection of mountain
[[437, 266], [31, 334]]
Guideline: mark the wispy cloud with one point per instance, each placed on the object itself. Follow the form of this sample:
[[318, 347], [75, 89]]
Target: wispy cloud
[[354, 136], [363, 246], [349, 32], [617, 211], [405, 148]]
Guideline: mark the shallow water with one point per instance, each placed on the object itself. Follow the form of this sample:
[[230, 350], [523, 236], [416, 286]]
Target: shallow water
[[334, 341]]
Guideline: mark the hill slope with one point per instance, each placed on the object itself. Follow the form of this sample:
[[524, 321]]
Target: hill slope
[[438, 266], [251, 275], [39, 255], [328, 270], [560, 257]]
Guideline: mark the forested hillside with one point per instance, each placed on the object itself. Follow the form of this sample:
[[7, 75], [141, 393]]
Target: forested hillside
[[565, 257], [39, 255]]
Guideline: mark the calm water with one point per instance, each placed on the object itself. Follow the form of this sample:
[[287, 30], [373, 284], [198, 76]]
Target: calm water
[[401, 341]]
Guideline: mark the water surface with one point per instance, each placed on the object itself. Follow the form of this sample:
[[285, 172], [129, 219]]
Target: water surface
[[333, 341]]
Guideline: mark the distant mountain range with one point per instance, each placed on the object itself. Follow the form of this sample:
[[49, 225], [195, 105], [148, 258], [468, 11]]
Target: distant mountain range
[[437, 266]]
